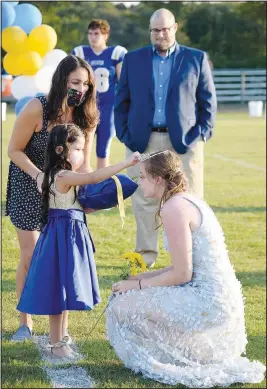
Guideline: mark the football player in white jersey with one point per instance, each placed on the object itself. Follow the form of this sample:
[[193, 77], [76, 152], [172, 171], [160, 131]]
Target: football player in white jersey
[[106, 62]]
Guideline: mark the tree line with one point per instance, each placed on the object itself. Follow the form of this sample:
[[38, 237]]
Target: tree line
[[233, 34]]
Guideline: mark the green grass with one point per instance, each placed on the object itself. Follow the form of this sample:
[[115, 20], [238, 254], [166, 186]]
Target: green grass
[[237, 195]]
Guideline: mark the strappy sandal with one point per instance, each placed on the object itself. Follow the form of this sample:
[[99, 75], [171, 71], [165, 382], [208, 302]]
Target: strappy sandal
[[66, 344], [60, 344], [67, 338]]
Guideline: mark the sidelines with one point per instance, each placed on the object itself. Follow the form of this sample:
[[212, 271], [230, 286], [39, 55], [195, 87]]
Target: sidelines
[[62, 374], [238, 162]]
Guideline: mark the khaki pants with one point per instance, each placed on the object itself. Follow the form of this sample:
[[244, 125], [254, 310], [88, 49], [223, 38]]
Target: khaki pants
[[145, 209]]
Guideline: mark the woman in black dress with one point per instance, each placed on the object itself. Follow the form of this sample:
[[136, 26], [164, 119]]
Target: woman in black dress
[[72, 99]]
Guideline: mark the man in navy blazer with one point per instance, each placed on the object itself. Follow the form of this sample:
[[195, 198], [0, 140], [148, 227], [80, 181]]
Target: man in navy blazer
[[165, 100]]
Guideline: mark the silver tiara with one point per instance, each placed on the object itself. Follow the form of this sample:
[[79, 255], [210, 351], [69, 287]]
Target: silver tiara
[[144, 157]]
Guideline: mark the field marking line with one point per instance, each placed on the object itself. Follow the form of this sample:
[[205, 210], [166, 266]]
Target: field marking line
[[62, 375], [239, 162]]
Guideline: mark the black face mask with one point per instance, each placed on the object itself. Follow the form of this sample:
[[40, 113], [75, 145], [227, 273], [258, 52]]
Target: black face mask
[[75, 97]]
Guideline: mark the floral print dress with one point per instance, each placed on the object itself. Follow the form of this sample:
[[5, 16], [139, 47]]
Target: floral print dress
[[192, 334]]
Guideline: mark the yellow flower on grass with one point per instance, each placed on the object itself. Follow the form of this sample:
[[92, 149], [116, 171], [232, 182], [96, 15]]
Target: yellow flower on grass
[[127, 255], [141, 262], [135, 262], [143, 268], [133, 271]]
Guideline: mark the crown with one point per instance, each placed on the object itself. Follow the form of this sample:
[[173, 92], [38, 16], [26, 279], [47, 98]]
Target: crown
[[146, 156]]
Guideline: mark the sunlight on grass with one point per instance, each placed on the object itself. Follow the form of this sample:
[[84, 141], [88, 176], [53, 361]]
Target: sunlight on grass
[[236, 194]]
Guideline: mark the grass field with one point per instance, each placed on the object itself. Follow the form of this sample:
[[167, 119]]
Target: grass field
[[235, 189]]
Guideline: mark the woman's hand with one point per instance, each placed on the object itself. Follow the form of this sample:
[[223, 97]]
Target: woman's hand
[[133, 278], [139, 277], [123, 286]]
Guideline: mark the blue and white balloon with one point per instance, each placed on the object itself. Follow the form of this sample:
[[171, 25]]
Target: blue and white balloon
[[21, 102], [29, 22], [24, 86], [8, 15], [43, 79]]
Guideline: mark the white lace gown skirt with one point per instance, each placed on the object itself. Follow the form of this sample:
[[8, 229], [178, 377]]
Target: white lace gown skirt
[[173, 336]]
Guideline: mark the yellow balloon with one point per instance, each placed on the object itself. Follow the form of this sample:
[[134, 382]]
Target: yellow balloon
[[14, 39], [42, 39], [30, 62], [11, 65]]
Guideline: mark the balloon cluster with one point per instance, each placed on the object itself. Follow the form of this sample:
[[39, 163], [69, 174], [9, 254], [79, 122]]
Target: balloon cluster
[[30, 47]]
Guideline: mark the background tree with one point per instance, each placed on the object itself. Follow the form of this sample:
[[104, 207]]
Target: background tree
[[234, 34]]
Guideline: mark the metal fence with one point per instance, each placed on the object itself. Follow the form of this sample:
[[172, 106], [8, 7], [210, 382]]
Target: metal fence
[[240, 85], [232, 85]]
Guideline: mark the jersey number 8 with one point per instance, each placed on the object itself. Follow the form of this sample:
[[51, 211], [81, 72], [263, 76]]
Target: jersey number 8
[[102, 79]]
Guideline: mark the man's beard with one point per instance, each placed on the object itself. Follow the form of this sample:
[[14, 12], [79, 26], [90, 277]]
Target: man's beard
[[162, 46]]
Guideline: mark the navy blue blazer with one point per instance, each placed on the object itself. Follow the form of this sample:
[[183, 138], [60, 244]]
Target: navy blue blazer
[[190, 105]]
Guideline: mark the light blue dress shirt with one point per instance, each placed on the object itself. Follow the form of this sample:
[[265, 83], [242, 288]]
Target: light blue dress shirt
[[161, 72]]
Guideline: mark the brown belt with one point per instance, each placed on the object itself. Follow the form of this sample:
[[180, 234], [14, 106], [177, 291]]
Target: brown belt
[[159, 129]]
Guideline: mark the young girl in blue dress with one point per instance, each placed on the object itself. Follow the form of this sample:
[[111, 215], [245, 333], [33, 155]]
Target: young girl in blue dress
[[62, 274]]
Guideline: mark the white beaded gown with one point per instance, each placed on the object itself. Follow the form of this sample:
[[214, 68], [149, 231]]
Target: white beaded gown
[[193, 334]]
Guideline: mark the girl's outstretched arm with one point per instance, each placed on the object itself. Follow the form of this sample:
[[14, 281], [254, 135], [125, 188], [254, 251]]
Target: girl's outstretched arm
[[69, 178]]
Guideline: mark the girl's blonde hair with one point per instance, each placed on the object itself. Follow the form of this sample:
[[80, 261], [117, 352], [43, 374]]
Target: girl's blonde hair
[[168, 165]]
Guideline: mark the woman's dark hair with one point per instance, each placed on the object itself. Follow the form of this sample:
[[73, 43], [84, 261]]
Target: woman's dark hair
[[168, 165], [86, 115], [56, 159]]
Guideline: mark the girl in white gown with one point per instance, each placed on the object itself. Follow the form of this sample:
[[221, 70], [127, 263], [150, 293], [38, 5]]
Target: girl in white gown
[[183, 324]]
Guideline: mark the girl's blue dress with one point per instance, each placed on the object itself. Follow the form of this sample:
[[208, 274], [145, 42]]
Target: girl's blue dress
[[62, 275]]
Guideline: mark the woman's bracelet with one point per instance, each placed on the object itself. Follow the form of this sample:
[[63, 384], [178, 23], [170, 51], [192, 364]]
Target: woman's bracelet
[[140, 287]]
